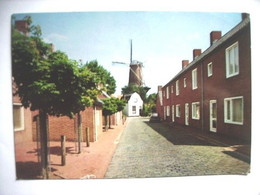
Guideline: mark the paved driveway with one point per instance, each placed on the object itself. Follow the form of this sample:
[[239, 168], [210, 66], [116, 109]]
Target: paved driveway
[[157, 150]]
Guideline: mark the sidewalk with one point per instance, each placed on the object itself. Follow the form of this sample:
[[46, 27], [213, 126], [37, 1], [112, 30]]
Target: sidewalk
[[92, 162], [240, 148]]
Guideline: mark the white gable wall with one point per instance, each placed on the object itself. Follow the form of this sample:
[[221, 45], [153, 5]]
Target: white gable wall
[[134, 105]]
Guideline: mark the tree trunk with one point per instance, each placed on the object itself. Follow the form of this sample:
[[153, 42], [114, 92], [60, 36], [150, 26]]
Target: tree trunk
[[106, 122], [44, 139], [79, 133], [109, 121]]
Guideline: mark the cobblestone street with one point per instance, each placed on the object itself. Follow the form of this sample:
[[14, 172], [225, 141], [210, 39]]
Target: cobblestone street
[[158, 150]]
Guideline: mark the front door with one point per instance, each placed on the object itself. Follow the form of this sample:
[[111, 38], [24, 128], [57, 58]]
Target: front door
[[213, 115], [186, 114]]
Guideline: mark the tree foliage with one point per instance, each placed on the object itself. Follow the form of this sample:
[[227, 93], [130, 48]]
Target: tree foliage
[[112, 105], [103, 77], [49, 81], [142, 91]]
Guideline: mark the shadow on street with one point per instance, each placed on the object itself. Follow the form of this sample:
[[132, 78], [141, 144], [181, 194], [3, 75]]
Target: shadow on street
[[55, 150], [179, 135]]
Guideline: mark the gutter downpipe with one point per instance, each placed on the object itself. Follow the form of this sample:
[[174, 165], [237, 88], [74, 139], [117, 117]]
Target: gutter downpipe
[[202, 96]]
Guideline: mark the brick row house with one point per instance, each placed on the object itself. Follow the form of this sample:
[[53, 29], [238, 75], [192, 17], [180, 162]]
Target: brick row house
[[26, 124], [213, 92]]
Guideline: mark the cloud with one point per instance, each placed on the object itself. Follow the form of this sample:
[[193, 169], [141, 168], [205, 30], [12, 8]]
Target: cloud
[[53, 37]]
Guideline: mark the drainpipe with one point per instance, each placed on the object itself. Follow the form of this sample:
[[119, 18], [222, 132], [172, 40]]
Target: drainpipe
[[95, 123], [202, 96]]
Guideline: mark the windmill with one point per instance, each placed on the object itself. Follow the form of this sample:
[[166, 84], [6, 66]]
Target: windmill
[[135, 70]]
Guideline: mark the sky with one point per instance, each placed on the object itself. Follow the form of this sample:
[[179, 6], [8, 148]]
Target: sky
[[161, 40]]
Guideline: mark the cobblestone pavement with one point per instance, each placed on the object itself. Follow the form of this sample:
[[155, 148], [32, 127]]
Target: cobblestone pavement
[[158, 150]]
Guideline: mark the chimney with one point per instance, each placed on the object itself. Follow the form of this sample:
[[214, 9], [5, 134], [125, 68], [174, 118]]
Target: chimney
[[159, 88], [196, 53], [185, 63], [214, 36], [244, 16], [22, 26]]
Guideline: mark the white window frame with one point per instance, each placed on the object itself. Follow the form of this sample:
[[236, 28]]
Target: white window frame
[[195, 114], [167, 92], [21, 128], [229, 73], [210, 69], [168, 111], [178, 110], [194, 79], [177, 87], [164, 112], [184, 82], [229, 119], [173, 113]]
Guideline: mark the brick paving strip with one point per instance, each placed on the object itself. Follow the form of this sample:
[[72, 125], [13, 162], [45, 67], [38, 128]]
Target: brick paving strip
[[91, 163]]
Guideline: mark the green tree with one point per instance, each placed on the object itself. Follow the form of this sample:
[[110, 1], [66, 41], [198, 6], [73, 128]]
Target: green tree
[[49, 82], [105, 80], [111, 106], [151, 102], [142, 91]]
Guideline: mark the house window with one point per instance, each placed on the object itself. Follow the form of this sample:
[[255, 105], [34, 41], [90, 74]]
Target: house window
[[18, 112], [232, 62], [171, 88], [210, 69], [134, 109], [177, 87], [184, 83], [178, 110], [196, 110], [167, 92], [168, 111], [194, 79], [233, 110], [172, 113], [164, 112]]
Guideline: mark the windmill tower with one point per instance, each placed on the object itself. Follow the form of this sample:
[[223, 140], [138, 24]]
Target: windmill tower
[[135, 70]]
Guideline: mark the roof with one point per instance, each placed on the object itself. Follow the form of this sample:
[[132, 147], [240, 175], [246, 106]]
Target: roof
[[215, 45], [128, 96], [98, 102]]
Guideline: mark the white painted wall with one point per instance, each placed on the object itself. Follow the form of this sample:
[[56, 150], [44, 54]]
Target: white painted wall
[[134, 101]]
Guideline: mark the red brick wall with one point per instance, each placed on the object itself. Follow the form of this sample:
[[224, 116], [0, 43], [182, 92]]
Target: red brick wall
[[216, 87], [186, 95], [61, 126], [65, 126], [25, 134], [219, 87], [159, 108]]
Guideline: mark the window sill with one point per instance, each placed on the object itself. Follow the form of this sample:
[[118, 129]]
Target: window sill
[[234, 123], [17, 130], [232, 75]]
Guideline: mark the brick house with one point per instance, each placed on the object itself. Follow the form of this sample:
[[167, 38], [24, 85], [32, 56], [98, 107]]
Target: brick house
[[22, 120], [213, 92], [26, 125], [91, 117]]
